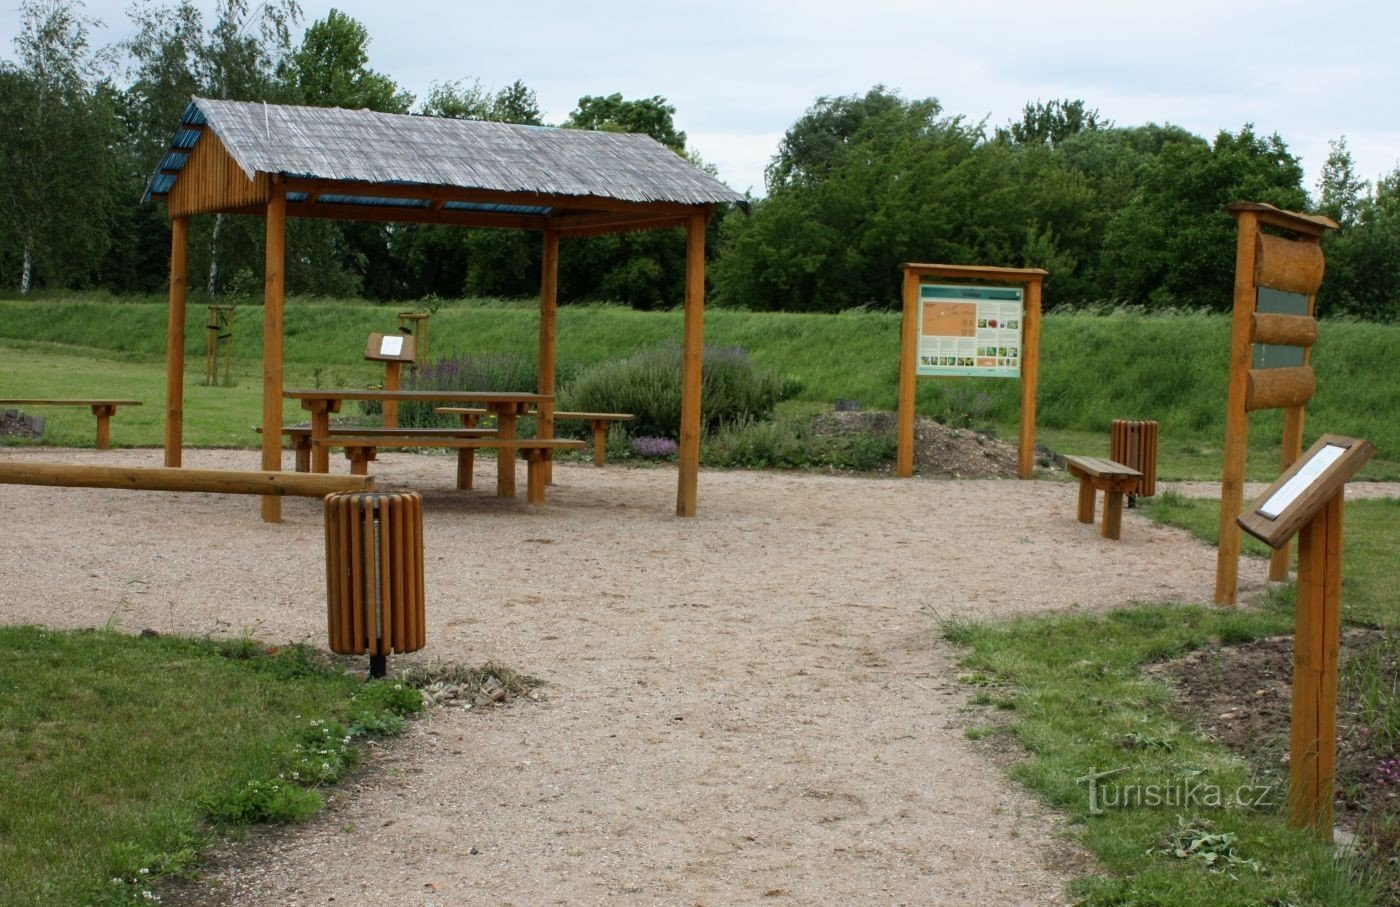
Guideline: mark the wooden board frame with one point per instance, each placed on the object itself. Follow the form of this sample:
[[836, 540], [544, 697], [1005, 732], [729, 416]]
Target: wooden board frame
[[1031, 280], [1292, 264]]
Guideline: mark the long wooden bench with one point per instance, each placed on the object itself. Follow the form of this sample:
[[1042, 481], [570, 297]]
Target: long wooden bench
[[164, 478], [300, 436], [1114, 479], [102, 409], [361, 450], [599, 422]]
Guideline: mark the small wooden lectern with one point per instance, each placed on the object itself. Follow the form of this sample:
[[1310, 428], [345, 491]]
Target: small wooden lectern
[[1307, 500], [393, 350]]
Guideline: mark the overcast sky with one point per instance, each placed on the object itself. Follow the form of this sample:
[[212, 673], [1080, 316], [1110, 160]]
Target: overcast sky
[[739, 73]]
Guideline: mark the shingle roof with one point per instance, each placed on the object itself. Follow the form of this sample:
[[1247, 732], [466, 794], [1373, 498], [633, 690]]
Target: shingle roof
[[365, 146]]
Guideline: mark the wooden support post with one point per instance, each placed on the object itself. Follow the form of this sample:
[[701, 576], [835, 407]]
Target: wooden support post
[[549, 341], [103, 412], [692, 357], [392, 368], [1316, 645], [175, 344], [1227, 563], [600, 441], [1030, 379], [273, 300], [1086, 500], [908, 352]]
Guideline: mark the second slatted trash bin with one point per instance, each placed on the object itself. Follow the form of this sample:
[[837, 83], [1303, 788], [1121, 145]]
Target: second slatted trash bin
[[374, 574], [1133, 443]]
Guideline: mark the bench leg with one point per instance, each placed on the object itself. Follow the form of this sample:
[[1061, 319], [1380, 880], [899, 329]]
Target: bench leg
[[302, 447], [1113, 515], [466, 463], [600, 441], [1086, 500], [536, 461], [104, 425]]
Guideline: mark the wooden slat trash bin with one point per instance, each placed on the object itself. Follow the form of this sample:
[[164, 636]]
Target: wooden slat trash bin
[[1134, 444], [374, 575]]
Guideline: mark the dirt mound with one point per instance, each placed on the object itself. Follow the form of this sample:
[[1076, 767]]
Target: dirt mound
[[940, 451]]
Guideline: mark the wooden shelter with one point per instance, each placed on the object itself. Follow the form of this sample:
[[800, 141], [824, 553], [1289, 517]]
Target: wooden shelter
[[275, 161]]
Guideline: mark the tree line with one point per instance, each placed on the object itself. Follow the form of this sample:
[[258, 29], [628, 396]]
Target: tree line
[[1119, 215]]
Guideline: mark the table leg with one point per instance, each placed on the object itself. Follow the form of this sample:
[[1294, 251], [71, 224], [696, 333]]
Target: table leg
[[466, 456], [535, 475], [505, 456], [320, 430]]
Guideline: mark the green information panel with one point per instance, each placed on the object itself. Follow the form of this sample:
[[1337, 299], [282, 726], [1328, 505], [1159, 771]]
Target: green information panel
[[970, 330], [1277, 302]]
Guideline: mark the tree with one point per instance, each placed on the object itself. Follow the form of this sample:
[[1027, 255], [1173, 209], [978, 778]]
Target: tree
[[462, 100], [652, 116], [55, 147], [848, 203], [1174, 243], [238, 57], [1340, 190], [1052, 123], [329, 69], [812, 146]]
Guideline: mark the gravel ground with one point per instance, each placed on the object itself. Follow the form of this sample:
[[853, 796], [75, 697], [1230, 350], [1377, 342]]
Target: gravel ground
[[752, 705]]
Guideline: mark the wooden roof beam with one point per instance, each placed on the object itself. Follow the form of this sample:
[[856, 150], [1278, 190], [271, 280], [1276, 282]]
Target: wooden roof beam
[[486, 197], [393, 215], [599, 225]]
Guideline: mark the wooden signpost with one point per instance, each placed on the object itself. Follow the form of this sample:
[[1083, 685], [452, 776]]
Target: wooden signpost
[[416, 325], [393, 350], [962, 320], [1307, 500], [1276, 281]]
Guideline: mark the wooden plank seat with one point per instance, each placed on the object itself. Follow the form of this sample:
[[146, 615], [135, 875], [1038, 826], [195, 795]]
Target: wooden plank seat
[[300, 436], [360, 450], [1114, 479], [599, 422], [102, 409]]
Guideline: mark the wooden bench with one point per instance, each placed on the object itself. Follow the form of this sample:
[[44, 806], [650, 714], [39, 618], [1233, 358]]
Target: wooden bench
[[600, 423], [102, 409], [360, 450], [1114, 479], [300, 436]]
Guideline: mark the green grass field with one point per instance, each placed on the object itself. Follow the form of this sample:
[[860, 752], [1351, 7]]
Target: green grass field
[[1095, 368]]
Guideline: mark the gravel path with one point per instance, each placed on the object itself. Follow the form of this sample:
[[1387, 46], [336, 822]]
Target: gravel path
[[752, 705]]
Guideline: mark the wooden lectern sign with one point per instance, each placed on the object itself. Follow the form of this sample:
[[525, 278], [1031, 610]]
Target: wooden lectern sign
[[393, 350], [1307, 500]]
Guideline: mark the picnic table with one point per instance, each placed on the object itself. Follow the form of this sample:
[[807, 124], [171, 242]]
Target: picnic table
[[505, 405]]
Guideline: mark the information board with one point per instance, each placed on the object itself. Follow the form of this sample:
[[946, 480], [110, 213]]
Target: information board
[[970, 330]]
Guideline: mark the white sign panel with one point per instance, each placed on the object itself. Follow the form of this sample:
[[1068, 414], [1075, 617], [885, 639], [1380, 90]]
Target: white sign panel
[[1289, 492]]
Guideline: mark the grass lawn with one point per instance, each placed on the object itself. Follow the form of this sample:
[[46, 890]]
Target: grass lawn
[[1070, 691], [121, 755]]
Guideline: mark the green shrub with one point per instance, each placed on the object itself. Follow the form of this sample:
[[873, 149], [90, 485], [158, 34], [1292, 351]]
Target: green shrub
[[821, 442], [492, 372], [648, 385]]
